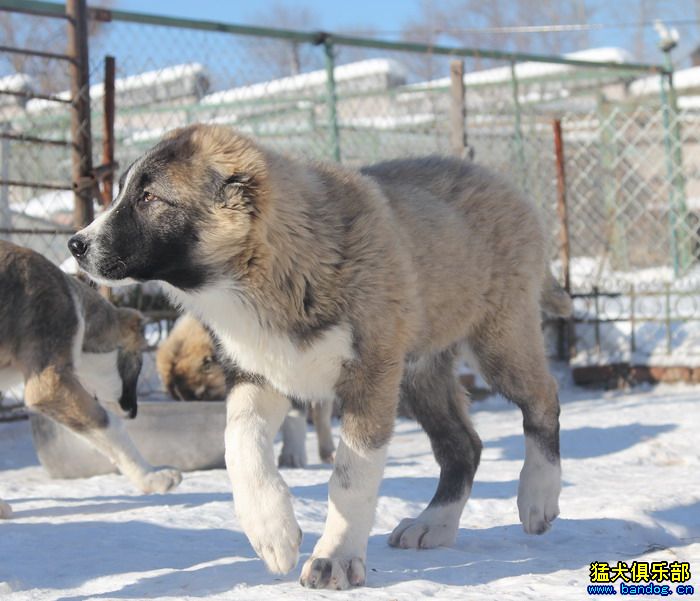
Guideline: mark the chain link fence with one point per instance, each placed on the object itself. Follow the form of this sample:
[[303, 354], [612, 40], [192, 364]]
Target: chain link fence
[[630, 173]]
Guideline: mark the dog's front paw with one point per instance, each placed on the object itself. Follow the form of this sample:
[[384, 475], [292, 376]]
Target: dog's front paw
[[267, 517], [276, 539], [333, 573], [538, 497], [421, 533], [5, 510], [160, 480]]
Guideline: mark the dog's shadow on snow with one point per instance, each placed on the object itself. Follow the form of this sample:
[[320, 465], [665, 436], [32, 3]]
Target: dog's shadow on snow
[[91, 550], [109, 504], [96, 549], [588, 441], [487, 555]]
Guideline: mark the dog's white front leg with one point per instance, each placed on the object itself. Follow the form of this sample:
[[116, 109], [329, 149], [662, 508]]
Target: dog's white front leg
[[262, 499], [338, 560]]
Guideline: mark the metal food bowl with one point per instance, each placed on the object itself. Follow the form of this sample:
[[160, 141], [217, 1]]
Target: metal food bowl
[[188, 436]]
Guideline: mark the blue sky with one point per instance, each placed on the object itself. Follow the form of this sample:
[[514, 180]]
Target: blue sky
[[389, 16], [385, 15]]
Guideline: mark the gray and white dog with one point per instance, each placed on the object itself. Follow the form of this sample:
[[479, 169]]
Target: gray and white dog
[[327, 283], [69, 345]]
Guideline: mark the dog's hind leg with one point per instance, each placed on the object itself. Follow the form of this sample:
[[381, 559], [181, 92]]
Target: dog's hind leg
[[57, 393], [321, 414], [509, 351], [293, 453], [439, 402]]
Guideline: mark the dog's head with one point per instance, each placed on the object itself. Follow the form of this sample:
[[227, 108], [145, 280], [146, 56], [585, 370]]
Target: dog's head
[[132, 343], [185, 213], [188, 364]]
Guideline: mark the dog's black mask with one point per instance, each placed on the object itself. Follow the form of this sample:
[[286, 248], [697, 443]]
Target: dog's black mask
[[151, 230]]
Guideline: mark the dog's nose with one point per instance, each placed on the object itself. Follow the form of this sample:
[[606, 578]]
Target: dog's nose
[[78, 246]]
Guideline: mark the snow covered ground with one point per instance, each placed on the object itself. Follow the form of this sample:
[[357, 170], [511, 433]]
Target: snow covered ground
[[631, 493]]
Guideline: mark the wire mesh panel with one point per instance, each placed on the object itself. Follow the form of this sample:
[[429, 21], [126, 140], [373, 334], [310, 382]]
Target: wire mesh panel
[[629, 152], [36, 198]]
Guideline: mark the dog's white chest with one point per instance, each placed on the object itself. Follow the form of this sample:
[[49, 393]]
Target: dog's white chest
[[308, 373]]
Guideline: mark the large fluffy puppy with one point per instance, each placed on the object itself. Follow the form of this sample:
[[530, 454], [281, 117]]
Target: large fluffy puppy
[[69, 345], [191, 369], [321, 283]]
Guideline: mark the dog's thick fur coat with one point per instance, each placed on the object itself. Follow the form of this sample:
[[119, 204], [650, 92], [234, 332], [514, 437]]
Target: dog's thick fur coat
[[53, 329], [326, 283]]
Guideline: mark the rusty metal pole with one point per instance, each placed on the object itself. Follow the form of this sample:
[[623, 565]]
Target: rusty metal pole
[[566, 329], [83, 181], [108, 131], [458, 110]]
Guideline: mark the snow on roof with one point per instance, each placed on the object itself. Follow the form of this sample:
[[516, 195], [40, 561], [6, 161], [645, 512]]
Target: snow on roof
[[19, 82], [390, 122], [16, 82], [689, 102], [193, 73], [533, 70], [683, 79], [294, 83]]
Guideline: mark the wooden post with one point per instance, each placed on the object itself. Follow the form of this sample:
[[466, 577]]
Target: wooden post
[[108, 131], [83, 181], [566, 327], [458, 110]]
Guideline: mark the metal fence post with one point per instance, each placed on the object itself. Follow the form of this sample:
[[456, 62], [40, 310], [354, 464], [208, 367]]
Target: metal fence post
[[331, 97], [108, 131], [83, 182], [519, 147], [566, 327], [5, 215], [615, 233], [678, 213], [458, 110]]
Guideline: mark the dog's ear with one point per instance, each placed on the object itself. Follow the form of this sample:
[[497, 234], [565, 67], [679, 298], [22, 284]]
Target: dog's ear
[[132, 328], [239, 192]]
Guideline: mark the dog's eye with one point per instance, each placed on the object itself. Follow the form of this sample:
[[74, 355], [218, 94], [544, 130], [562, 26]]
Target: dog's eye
[[149, 197]]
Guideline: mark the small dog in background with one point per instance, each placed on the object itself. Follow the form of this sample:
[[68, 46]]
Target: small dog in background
[[192, 369], [70, 346]]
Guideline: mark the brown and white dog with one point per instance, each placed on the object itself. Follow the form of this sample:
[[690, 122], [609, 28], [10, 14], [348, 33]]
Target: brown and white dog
[[193, 368], [69, 345], [325, 283]]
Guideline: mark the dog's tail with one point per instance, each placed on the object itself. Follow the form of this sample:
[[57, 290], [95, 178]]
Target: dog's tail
[[555, 300]]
